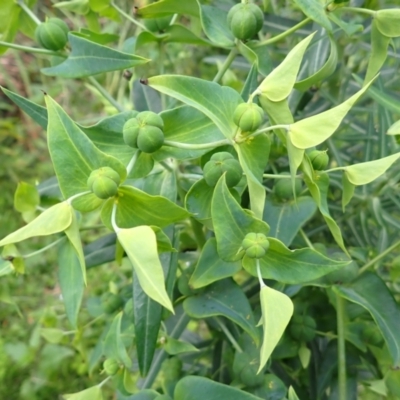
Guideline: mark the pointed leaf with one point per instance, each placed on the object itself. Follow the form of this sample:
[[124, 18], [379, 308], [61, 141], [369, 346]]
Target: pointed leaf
[[71, 281], [89, 58], [113, 346], [93, 393], [348, 191], [253, 157], [277, 309], [174, 347], [388, 22], [292, 394], [312, 131], [136, 207], [199, 388], [232, 223], [382, 306], [292, 266], [55, 219], [286, 219], [394, 129], [26, 197], [279, 83], [6, 267], [224, 298], [74, 156], [315, 10], [251, 83], [169, 7], [217, 102], [211, 268], [140, 245]]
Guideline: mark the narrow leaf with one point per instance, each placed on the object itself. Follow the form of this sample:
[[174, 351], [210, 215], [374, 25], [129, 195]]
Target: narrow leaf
[[89, 58], [140, 245], [315, 10], [55, 219], [381, 305], [279, 83], [174, 347], [93, 393], [312, 131], [277, 309], [169, 7]]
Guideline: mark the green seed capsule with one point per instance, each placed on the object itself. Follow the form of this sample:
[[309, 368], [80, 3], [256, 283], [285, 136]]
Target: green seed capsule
[[111, 366], [245, 20], [248, 117], [104, 182], [302, 328], [150, 139], [283, 188], [255, 245], [319, 159], [220, 163], [52, 34], [130, 132], [150, 118]]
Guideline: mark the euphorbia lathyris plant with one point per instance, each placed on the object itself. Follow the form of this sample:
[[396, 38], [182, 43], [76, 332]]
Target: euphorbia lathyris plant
[[197, 162]]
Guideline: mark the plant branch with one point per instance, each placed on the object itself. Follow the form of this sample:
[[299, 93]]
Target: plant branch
[[132, 162], [105, 94], [28, 11], [49, 246], [358, 10], [32, 49], [342, 378], [127, 16], [72, 198], [228, 61], [264, 130], [201, 146], [233, 341]]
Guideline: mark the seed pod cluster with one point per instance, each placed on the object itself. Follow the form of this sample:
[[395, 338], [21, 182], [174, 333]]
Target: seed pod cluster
[[319, 159], [52, 34], [104, 182], [144, 132], [302, 328], [255, 245], [219, 164], [248, 117], [283, 189], [157, 24], [245, 20]]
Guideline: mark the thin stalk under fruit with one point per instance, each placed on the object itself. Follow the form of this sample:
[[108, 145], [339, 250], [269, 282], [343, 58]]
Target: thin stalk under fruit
[[43, 249], [342, 376], [28, 11], [127, 16], [228, 61], [31, 49], [105, 94], [200, 146]]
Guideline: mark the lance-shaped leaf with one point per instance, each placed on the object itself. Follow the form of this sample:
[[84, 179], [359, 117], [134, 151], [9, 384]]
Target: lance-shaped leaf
[[169, 7], [136, 207], [348, 191], [292, 266], [382, 306], [215, 101], [363, 173], [224, 298], [251, 83], [312, 131], [279, 83], [388, 22], [215, 25], [378, 54], [253, 157], [211, 267], [89, 58], [140, 245], [71, 280], [113, 346], [93, 393], [74, 156], [174, 346], [277, 309], [286, 219], [232, 223], [199, 388], [315, 10], [55, 219]]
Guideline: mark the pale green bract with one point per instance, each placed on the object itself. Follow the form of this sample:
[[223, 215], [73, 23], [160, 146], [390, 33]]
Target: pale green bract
[[93, 393]]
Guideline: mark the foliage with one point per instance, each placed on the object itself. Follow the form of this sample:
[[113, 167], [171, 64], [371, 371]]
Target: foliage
[[267, 193]]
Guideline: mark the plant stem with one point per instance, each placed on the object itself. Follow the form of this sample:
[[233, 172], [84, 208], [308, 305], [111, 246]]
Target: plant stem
[[72, 198], [283, 34], [306, 239], [264, 130], [378, 258], [260, 279], [105, 94], [340, 309], [161, 61], [358, 10], [228, 61], [31, 49], [273, 176], [113, 218], [49, 246], [33, 17], [127, 16], [233, 341], [162, 355], [132, 162], [201, 146], [104, 381]]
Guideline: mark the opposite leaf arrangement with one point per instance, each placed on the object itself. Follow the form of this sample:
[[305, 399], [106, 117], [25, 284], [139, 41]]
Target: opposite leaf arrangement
[[203, 165]]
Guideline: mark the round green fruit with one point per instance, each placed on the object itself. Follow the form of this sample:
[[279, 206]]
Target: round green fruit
[[111, 366], [157, 24], [372, 336], [248, 117], [130, 132], [319, 159], [283, 188], [302, 328], [104, 182], [255, 245], [245, 20], [52, 34], [150, 139], [110, 302], [150, 118], [219, 164]]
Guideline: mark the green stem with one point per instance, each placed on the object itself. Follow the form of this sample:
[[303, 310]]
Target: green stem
[[44, 248], [260, 278], [198, 232], [201, 146], [114, 218], [33, 17], [161, 61], [127, 16], [105, 94], [306, 239], [241, 139], [228, 61], [31, 49], [284, 34], [340, 309], [162, 355], [72, 198], [132, 163], [358, 10], [378, 258], [273, 176], [104, 381], [233, 341]]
